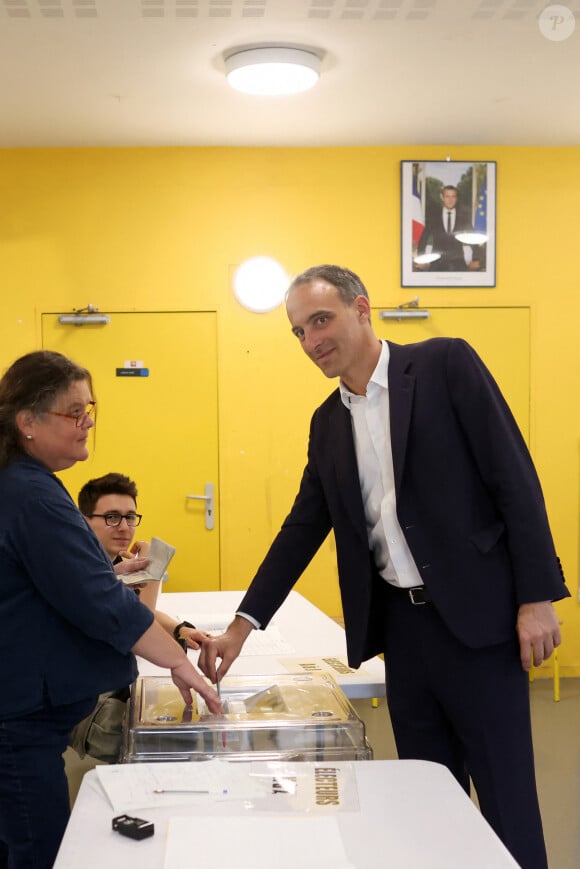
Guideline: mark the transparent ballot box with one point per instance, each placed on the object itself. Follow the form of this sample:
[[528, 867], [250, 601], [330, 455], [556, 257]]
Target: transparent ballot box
[[285, 717]]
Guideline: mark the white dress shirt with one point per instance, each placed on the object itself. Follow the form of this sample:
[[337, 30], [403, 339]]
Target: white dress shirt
[[372, 440]]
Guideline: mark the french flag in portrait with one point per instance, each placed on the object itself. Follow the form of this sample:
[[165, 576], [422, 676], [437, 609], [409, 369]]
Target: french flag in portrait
[[417, 206], [480, 222]]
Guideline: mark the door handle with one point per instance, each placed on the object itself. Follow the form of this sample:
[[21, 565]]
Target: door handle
[[208, 498]]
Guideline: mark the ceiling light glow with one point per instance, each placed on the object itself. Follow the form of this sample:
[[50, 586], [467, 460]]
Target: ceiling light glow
[[272, 71]]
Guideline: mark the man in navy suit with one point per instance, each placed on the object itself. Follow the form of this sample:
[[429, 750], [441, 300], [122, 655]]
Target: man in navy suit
[[445, 558]]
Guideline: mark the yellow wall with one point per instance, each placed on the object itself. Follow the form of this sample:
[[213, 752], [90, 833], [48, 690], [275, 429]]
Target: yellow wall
[[163, 229]]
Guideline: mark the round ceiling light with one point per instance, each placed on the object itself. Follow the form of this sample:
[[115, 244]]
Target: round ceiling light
[[272, 71]]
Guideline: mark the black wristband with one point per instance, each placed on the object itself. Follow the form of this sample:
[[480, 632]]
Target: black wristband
[[181, 625]]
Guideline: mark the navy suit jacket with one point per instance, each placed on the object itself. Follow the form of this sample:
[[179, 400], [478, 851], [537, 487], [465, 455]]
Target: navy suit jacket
[[468, 501]]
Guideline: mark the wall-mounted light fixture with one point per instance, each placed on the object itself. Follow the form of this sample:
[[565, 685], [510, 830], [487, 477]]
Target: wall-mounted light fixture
[[84, 317], [272, 70], [403, 314], [405, 311], [260, 284]]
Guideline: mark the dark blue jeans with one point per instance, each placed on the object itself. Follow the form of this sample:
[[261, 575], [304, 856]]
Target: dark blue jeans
[[34, 801]]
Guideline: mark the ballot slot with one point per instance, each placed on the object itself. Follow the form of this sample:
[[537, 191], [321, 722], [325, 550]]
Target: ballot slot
[[286, 717]]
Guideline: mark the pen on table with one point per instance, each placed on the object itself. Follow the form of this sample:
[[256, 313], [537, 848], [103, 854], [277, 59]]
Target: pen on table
[[178, 791]]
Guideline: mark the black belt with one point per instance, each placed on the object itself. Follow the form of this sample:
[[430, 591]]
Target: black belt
[[418, 595]]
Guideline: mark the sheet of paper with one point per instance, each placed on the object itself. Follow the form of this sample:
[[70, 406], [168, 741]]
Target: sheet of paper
[[264, 842], [214, 621], [268, 642], [133, 785], [307, 788]]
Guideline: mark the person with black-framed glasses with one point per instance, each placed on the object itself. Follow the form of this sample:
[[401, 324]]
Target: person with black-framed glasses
[[109, 505]]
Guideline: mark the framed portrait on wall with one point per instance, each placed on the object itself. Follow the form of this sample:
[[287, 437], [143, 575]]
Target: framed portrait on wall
[[447, 223]]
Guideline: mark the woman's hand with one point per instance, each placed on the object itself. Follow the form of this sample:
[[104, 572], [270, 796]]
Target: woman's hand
[[158, 647], [136, 558], [130, 566], [186, 677]]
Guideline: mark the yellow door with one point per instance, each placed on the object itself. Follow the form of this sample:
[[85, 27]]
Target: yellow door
[[161, 430]]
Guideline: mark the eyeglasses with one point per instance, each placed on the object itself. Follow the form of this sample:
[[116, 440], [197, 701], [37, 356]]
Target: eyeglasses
[[115, 519], [80, 417]]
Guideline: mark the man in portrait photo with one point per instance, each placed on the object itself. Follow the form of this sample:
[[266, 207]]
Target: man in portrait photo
[[442, 222]]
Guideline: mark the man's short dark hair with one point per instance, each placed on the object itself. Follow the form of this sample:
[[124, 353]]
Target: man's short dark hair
[[110, 484], [348, 284]]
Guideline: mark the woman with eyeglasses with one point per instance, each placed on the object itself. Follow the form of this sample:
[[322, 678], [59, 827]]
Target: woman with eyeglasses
[[70, 629]]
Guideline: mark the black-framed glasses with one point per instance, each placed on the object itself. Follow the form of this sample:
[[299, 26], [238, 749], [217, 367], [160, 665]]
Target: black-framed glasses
[[114, 519], [80, 417]]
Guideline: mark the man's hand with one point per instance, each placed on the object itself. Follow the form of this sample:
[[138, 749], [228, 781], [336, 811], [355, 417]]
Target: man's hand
[[227, 647], [538, 631]]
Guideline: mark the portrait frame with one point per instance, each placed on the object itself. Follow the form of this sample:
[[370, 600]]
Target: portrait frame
[[458, 255]]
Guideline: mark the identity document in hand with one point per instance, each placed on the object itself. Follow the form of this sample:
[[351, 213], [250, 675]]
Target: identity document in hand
[[159, 556]]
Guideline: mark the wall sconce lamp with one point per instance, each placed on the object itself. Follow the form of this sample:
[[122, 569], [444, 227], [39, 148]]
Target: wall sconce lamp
[[84, 317], [260, 284], [405, 311]]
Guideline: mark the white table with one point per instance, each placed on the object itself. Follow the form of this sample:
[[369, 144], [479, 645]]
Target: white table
[[315, 638], [409, 814]]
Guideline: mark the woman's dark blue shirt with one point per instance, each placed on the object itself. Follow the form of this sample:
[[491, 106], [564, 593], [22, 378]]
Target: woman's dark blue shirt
[[66, 622]]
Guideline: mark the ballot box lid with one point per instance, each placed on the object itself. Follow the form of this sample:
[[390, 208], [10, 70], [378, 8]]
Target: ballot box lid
[[288, 716]]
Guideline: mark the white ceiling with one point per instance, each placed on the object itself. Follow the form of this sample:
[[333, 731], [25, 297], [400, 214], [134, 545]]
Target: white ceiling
[[150, 72]]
